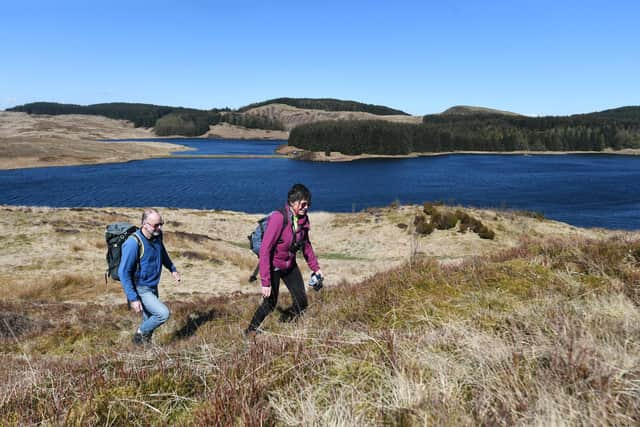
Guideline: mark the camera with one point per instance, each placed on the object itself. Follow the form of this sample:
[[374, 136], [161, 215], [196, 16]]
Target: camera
[[316, 281]]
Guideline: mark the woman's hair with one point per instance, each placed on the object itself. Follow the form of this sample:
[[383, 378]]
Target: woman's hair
[[299, 192]]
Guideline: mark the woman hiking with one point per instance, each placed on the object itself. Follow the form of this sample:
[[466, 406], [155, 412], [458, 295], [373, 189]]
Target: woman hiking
[[282, 238]]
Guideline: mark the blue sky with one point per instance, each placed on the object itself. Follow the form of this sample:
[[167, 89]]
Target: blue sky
[[531, 57]]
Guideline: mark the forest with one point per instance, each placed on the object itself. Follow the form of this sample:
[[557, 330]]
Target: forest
[[614, 129]]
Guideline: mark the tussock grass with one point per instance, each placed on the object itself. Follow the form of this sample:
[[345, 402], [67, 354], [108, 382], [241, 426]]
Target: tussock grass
[[62, 288]]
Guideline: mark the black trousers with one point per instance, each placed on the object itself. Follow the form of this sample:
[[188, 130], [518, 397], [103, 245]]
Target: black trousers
[[293, 280]]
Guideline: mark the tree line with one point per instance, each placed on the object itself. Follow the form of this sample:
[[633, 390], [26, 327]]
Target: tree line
[[478, 132]]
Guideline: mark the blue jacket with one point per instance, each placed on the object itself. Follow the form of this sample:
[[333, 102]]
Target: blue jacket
[[153, 258]]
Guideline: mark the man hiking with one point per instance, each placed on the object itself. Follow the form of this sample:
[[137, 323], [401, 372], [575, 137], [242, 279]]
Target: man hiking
[[143, 255]]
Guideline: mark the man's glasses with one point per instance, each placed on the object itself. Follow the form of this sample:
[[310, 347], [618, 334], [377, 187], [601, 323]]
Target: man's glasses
[[160, 224]]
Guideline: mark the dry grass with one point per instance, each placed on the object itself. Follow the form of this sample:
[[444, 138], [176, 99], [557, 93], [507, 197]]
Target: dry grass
[[535, 331]]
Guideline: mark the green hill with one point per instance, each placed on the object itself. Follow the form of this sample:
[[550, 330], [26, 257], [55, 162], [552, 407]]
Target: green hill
[[469, 110], [328, 104]]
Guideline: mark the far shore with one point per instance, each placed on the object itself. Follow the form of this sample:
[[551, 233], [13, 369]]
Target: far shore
[[336, 156], [29, 141]]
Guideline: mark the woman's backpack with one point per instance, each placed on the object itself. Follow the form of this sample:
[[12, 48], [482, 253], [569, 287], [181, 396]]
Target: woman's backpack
[[255, 238]]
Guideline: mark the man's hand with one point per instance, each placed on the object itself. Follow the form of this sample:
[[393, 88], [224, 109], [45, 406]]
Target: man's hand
[[177, 277], [136, 306], [266, 291]]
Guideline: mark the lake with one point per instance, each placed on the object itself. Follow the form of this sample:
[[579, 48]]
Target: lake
[[596, 190]]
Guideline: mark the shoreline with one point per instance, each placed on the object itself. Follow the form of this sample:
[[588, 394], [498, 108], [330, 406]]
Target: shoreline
[[34, 141], [336, 156]]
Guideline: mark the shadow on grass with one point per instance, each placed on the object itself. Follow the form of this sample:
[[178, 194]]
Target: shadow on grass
[[193, 323]]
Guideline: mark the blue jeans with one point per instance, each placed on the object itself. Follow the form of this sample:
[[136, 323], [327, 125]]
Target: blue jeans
[[154, 312]]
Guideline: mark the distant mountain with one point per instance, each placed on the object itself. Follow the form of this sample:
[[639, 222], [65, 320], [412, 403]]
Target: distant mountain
[[276, 114], [469, 110], [328, 104]]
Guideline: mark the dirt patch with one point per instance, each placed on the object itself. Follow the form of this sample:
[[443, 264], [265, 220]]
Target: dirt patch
[[227, 131]]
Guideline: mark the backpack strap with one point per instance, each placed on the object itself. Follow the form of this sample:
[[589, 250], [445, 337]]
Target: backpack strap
[[285, 221], [140, 253], [140, 250], [140, 247]]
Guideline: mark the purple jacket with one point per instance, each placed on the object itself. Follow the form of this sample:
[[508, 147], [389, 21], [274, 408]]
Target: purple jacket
[[282, 258]]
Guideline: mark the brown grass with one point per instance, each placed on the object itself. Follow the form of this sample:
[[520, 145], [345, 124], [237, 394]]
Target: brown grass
[[34, 141]]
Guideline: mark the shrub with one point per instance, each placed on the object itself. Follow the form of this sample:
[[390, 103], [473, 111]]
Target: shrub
[[428, 208], [443, 220], [486, 233], [424, 228]]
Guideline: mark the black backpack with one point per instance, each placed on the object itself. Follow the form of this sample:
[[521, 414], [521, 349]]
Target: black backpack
[[117, 233]]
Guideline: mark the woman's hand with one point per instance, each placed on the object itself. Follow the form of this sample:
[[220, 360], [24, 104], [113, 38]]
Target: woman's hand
[[266, 291]]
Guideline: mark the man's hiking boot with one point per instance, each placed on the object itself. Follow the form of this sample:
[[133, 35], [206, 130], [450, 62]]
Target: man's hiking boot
[[141, 339]]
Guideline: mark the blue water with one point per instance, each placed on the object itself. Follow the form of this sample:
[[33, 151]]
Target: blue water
[[584, 190]]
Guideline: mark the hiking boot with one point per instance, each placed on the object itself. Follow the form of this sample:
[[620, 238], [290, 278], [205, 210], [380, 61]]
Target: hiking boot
[[141, 339], [287, 315]]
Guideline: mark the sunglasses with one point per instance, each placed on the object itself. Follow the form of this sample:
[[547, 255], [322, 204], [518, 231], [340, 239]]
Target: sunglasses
[[304, 205], [160, 224]]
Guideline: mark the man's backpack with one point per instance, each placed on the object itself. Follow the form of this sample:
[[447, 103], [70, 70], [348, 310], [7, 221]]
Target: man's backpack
[[255, 238], [117, 233]]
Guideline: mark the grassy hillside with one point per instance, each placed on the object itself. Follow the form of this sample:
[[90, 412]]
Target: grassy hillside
[[544, 332]]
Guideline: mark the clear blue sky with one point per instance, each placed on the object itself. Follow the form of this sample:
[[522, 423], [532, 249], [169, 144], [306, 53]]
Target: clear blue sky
[[532, 57]]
